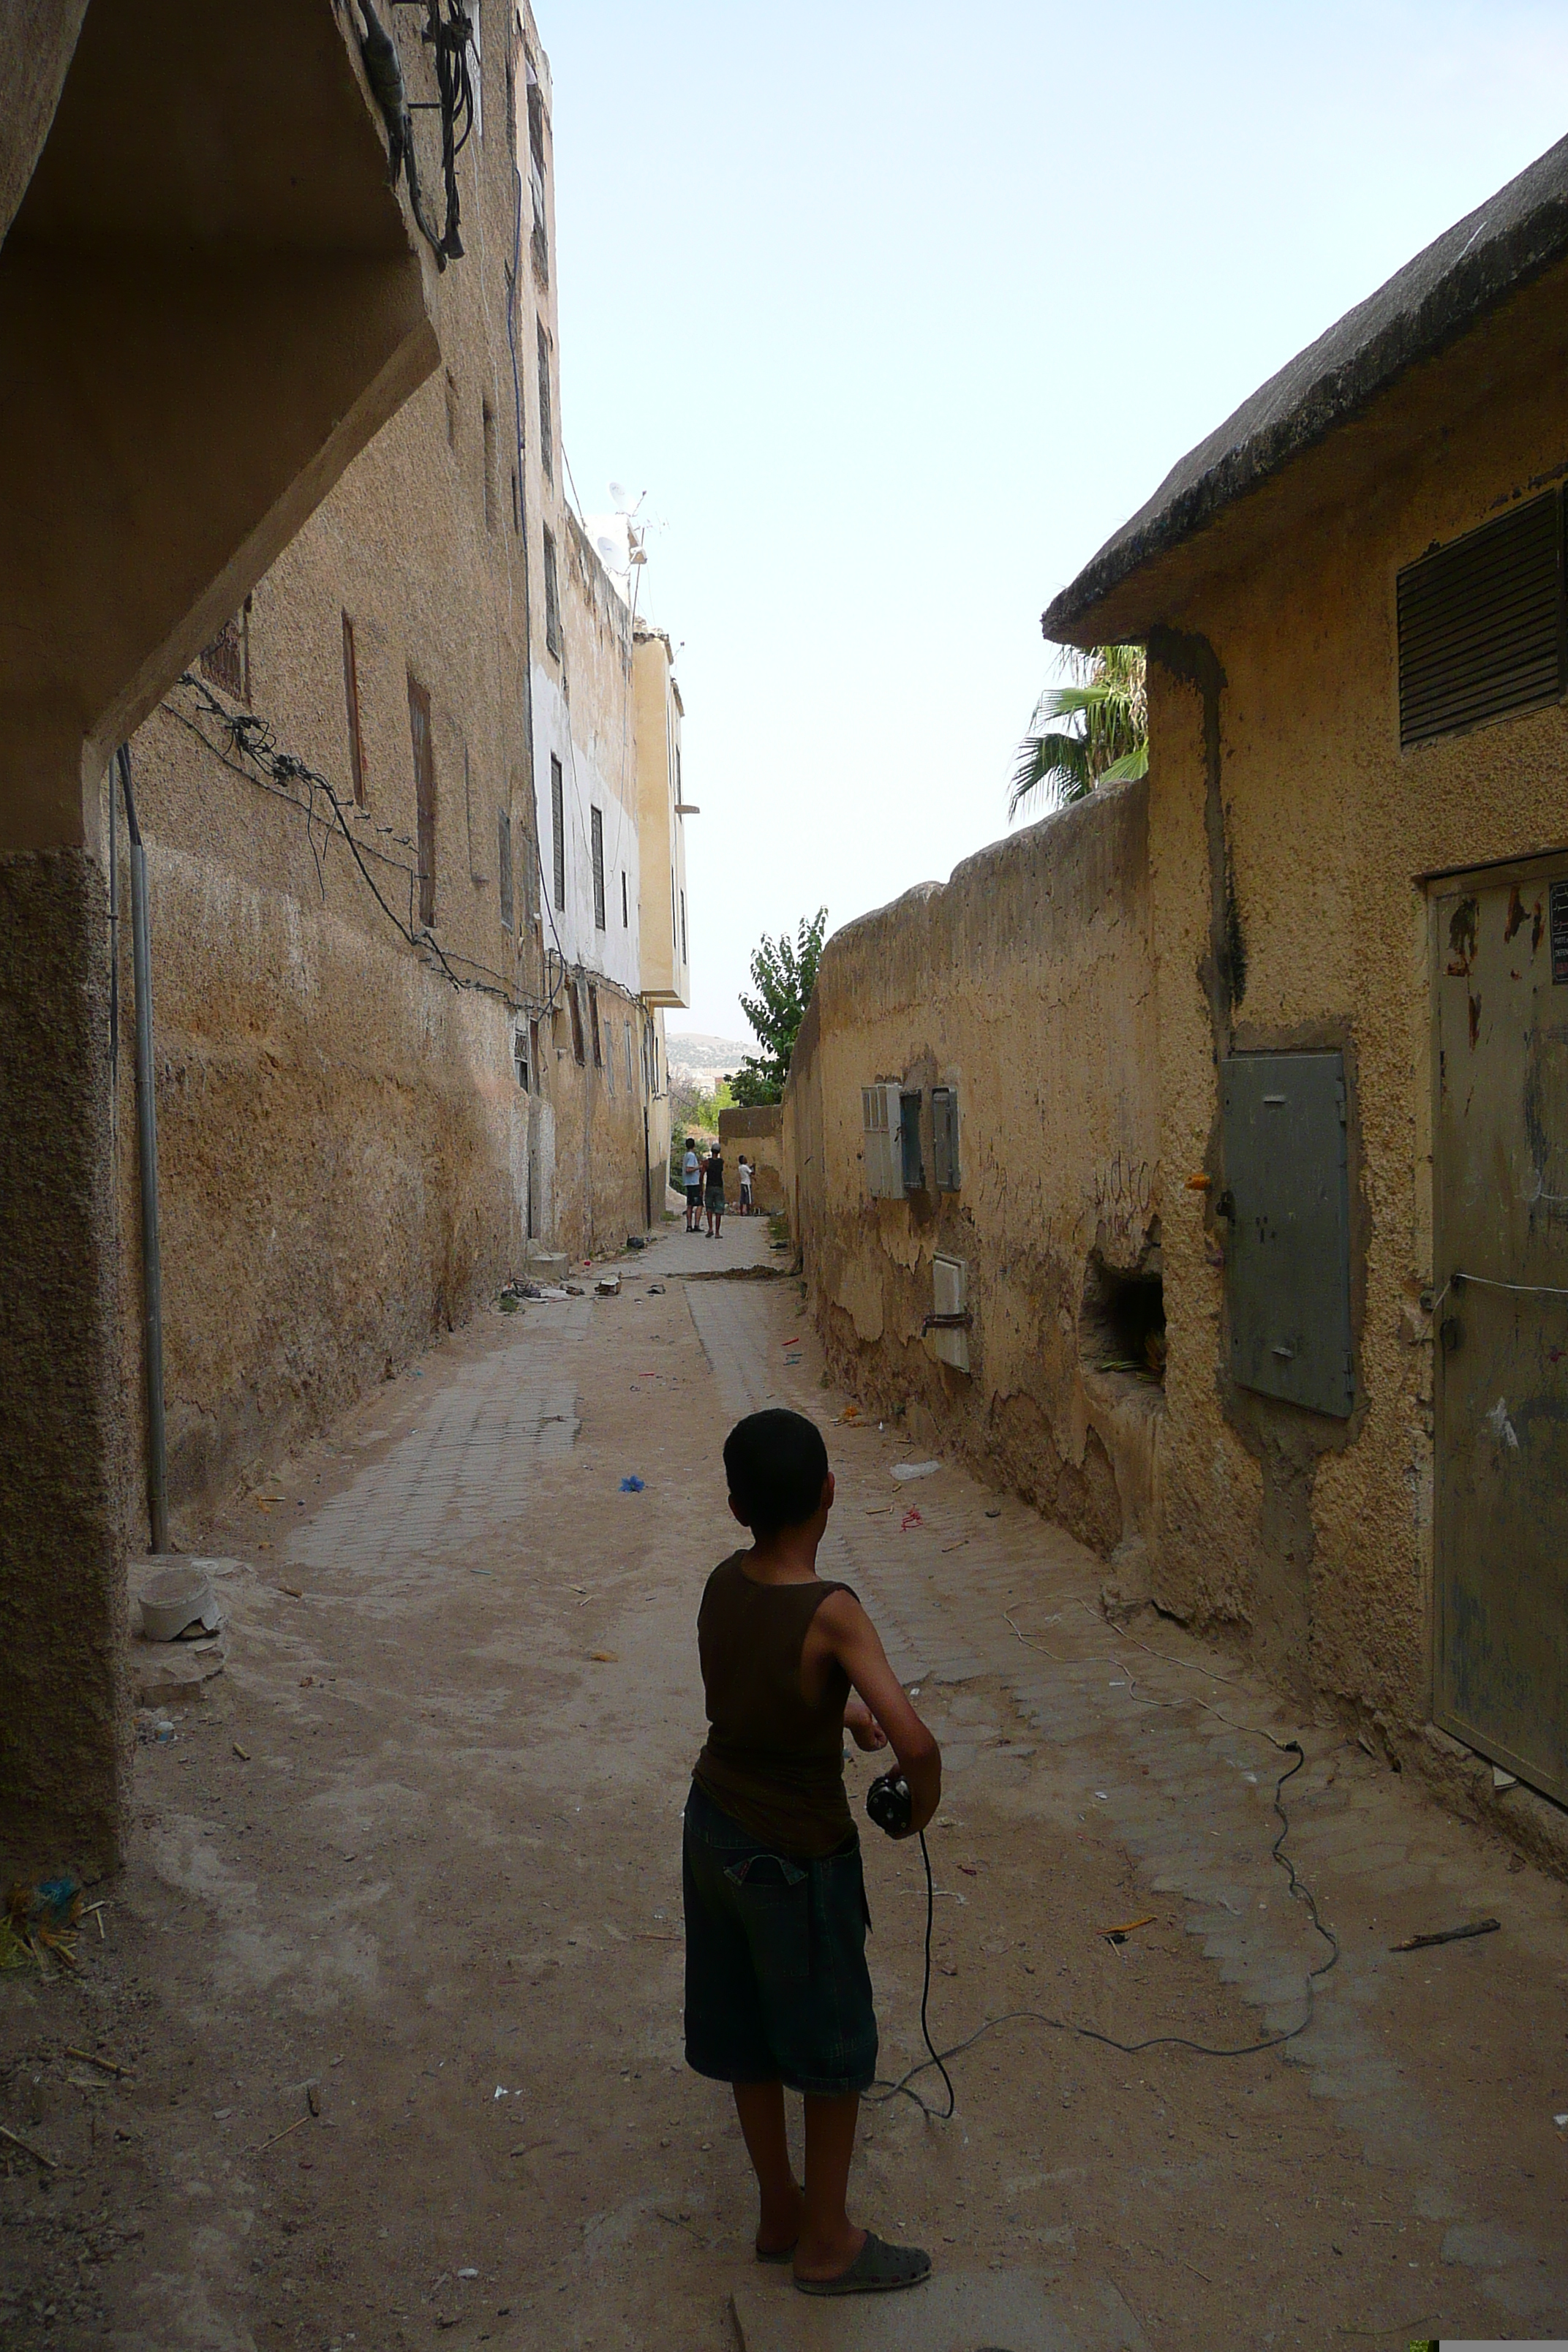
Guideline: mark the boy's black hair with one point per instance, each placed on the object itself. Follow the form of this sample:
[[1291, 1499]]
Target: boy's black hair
[[691, 1143], [776, 1464]]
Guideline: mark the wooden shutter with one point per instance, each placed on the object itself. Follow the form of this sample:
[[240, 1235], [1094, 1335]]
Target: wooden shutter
[[226, 662], [1481, 624], [558, 835], [546, 411], [596, 843], [351, 703], [551, 598], [424, 796], [504, 845]]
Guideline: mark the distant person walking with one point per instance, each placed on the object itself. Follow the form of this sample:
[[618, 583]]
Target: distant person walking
[[713, 1191], [692, 1177], [745, 1186]]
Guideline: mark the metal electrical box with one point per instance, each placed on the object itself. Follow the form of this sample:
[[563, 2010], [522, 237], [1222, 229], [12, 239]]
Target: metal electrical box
[[1287, 1194], [950, 1296], [880, 1120]]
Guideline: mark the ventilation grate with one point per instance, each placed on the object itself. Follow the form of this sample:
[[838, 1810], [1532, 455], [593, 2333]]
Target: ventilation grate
[[1481, 624]]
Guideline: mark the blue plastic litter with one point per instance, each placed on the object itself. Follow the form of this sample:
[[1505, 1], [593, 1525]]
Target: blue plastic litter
[[632, 1486]]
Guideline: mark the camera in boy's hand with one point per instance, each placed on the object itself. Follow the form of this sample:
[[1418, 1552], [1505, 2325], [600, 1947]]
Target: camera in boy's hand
[[890, 1805]]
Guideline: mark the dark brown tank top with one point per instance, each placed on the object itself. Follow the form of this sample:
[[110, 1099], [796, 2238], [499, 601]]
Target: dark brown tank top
[[772, 1763]]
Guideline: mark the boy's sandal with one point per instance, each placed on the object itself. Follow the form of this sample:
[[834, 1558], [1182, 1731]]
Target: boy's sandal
[[877, 2269]]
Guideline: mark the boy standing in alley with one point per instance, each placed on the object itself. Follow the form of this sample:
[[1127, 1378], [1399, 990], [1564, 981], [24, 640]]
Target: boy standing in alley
[[777, 1989], [692, 1178]]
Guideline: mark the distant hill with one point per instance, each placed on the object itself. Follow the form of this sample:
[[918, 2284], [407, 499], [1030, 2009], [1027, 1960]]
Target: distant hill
[[700, 1060]]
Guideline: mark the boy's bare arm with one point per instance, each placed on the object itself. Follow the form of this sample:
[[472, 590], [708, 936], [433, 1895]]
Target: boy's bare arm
[[862, 1725], [848, 1635]]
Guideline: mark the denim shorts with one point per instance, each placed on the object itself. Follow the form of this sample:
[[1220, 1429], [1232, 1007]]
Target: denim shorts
[[777, 1989]]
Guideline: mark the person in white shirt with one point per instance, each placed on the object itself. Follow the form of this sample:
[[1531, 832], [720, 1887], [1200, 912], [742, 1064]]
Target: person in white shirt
[[745, 1186], [692, 1177]]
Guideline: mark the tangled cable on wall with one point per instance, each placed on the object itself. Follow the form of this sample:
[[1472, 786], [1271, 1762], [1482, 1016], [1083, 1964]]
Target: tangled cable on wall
[[449, 35], [247, 746]]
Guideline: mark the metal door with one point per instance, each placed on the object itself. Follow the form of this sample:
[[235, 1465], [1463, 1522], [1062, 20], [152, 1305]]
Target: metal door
[[1500, 1200]]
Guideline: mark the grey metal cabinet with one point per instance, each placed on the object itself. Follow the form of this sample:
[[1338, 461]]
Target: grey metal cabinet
[[1287, 1193]]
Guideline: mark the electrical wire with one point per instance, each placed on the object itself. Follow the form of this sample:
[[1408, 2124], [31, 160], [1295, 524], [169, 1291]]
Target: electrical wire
[[252, 738], [1485, 1282], [883, 2091]]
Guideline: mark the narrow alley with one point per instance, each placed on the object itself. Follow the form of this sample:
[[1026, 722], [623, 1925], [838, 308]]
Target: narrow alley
[[390, 1987]]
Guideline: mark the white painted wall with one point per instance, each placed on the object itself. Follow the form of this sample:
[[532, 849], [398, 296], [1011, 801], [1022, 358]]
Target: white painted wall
[[615, 951]]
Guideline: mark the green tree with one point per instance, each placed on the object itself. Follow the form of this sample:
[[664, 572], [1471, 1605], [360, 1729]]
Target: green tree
[[783, 973], [1106, 739]]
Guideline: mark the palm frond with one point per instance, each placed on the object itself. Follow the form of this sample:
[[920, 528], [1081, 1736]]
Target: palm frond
[[1129, 768], [1104, 701], [1057, 763]]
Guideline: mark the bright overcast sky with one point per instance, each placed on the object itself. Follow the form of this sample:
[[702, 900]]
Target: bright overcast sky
[[897, 311]]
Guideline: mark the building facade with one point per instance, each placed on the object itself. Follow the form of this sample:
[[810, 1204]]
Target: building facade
[[1320, 1080], [209, 333], [392, 826]]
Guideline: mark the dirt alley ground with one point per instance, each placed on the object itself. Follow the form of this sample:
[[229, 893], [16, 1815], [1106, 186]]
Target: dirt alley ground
[[399, 1984]]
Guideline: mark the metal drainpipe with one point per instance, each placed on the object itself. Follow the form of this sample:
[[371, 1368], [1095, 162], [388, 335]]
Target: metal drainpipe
[[646, 1173], [147, 1163]]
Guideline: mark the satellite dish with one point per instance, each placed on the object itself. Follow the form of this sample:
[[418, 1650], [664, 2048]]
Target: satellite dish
[[622, 497], [610, 551]]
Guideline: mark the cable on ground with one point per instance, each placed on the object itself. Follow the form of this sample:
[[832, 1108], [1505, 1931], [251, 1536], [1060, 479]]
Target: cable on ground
[[882, 2091]]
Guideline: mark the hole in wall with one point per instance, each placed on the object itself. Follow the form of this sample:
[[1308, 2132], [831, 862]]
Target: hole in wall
[[1121, 1322]]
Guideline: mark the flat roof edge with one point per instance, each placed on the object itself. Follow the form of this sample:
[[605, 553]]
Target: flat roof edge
[[1436, 298]]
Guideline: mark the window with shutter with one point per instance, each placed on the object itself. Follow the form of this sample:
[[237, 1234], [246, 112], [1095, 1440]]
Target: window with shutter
[[226, 662], [492, 493], [1483, 629], [551, 598], [596, 844], [503, 864], [424, 796], [350, 705], [558, 835], [546, 409]]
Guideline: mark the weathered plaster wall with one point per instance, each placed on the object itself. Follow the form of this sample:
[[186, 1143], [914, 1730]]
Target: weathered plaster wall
[[1315, 1536], [343, 1161], [602, 1189], [1026, 984], [200, 330], [760, 1135], [63, 1729], [348, 1162]]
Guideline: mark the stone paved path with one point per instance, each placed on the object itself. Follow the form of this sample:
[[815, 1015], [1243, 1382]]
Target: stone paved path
[[416, 1857], [1179, 1754]]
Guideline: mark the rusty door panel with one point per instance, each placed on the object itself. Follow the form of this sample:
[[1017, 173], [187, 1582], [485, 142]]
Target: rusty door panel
[[1501, 1198]]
